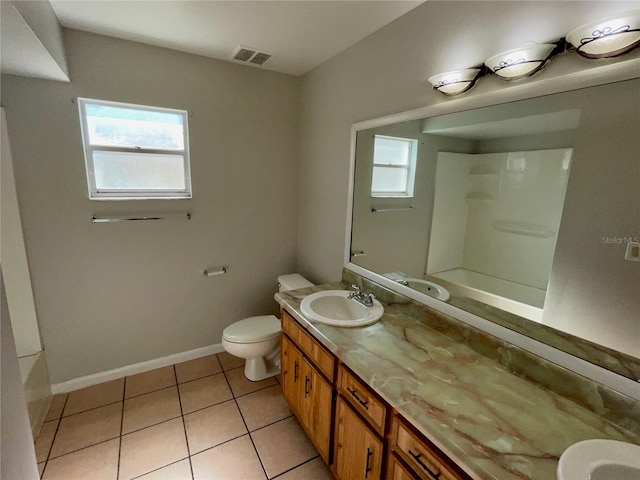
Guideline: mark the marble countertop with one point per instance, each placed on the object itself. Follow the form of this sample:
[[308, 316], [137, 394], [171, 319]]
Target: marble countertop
[[493, 423]]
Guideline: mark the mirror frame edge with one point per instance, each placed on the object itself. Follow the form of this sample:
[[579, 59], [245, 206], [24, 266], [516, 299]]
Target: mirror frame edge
[[599, 75]]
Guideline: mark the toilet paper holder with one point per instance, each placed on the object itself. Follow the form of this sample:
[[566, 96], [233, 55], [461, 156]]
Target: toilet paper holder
[[212, 272]]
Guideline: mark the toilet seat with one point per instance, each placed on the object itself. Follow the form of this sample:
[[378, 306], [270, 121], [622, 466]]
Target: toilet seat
[[252, 329]]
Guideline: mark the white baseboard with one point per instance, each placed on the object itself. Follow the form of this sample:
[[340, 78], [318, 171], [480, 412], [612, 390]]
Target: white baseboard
[[109, 375]]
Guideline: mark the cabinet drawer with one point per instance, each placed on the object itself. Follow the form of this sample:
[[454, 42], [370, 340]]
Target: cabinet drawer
[[423, 458], [320, 357], [363, 400]]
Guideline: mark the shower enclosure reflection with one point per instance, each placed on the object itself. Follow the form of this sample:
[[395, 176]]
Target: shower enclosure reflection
[[495, 224], [481, 220]]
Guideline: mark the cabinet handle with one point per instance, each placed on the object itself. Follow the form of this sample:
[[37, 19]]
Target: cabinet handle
[[355, 395], [416, 457], [295, 371], [306, 386], [367, 468]]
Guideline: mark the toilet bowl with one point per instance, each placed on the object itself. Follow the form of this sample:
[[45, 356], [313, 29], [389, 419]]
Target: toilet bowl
[[257, 339]]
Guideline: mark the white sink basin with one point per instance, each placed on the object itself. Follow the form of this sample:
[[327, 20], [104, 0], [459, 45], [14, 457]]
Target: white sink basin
[[600, 460], [334, 308], [432, 289]]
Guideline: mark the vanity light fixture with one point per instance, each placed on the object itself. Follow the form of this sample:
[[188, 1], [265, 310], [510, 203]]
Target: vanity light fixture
[[456, 82], [608, 37], [521, 62]]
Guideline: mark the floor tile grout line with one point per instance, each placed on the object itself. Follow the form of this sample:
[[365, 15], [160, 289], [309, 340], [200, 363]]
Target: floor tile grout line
[[124, 393], [91, 409], [253, 391], [208, 406], [159, 468], [219, 362], [200, 378], [184, 414], [56, 432], [54, 436], [152, 425], [255, 449], [220, 444], [272, 423], [83, 448], [278, 421], [184, 425], [150, 391], [297, 466]]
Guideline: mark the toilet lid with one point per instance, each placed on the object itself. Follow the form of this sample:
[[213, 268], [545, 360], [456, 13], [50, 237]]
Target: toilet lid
[[252, 329]]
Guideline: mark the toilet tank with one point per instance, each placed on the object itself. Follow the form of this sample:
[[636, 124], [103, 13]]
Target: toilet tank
[[293, 281]]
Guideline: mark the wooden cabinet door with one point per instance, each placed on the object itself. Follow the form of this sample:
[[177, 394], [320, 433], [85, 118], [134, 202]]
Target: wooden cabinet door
[[308, 395], [397, 471], [358, 449], [291, 365], [317, 400]]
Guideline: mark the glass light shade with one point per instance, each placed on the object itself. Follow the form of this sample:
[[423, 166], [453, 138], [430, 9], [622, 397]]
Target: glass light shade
[[520, 62], [455, 83], [608, 37]]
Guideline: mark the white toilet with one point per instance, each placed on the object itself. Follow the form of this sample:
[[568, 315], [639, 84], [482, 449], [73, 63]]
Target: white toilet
[[257, 339]]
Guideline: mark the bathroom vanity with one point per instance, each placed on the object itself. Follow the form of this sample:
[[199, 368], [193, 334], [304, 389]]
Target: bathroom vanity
[[364, 425], [418, 395]]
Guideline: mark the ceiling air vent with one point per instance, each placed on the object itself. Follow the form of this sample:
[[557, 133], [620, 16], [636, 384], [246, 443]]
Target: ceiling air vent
[[250, 55]]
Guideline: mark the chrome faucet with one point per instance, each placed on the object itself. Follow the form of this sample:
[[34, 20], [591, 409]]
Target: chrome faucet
[[365, 299]]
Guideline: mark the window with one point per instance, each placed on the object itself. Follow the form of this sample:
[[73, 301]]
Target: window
[[134, 151], [394, 165]]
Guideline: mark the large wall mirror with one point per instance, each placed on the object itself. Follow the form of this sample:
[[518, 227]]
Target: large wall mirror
[[521, 213]]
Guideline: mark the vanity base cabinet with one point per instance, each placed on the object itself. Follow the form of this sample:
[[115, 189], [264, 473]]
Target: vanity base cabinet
[[358, 450], [356, 432], [308, 394]]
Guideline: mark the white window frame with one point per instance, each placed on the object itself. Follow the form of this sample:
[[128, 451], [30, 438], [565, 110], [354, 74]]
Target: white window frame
[[138, 193], [411, 169]]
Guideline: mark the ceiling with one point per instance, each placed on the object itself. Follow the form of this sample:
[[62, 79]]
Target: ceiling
[[299, 34]]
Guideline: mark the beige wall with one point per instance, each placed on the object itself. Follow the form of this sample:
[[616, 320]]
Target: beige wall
[[592, 289], [111, 295]]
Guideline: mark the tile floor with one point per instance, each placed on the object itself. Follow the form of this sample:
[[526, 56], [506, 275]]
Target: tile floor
[[195, 420]]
